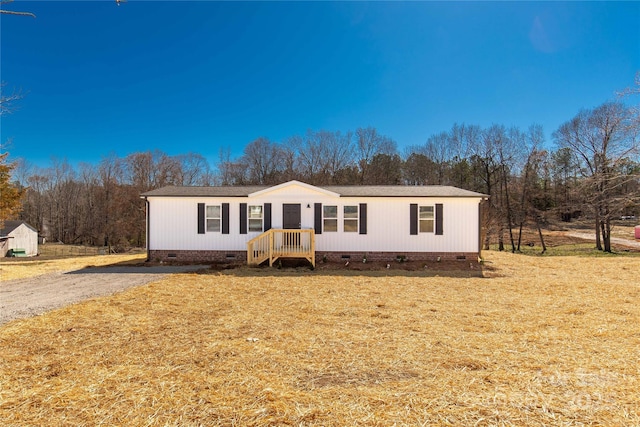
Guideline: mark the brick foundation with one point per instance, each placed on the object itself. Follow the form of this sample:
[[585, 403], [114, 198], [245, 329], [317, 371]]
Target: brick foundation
[[231, 256], [198, 256], [393, 256]]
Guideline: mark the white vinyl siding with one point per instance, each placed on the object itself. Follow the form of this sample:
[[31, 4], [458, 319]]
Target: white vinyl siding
[[388, 227], [213, 218]]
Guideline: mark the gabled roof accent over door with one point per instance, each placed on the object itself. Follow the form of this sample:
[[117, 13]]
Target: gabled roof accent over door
[[294, 183]]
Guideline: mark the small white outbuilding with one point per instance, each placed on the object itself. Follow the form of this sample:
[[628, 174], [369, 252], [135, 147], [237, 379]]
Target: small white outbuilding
[[18, 237]]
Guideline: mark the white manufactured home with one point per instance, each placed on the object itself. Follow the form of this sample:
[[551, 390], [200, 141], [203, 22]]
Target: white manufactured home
[[298, 220]]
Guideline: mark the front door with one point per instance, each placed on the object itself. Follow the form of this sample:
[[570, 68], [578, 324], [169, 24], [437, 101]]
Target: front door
[[291, 218]]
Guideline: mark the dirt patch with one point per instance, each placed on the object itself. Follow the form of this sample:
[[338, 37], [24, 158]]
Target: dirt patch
[[622, 237], [616, 241], [35, 295]]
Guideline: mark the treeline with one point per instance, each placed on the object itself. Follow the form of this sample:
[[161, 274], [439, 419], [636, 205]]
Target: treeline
[[593, 169]]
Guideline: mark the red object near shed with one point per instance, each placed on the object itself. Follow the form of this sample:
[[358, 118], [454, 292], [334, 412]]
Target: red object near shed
[[637, 231]]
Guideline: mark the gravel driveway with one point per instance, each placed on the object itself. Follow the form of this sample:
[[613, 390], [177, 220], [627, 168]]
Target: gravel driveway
[[35, 295], [615, 240]]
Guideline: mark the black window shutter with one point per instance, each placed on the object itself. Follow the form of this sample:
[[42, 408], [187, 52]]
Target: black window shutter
[[413, 219], [363, 218], [225, 218], [317, 218], [267, 216], [201, 218], [243, 218], [439, 230]]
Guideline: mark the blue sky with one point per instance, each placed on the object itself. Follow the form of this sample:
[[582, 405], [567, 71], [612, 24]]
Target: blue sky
[[200, 76]]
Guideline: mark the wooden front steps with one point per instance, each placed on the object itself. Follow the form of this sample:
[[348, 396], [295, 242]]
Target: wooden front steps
[[280, 243]]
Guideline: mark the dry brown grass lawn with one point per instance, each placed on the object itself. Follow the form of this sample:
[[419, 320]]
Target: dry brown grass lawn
[[20, 268], [540, 341]]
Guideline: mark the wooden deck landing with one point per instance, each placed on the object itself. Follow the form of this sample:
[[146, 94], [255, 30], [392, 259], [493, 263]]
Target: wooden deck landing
[[281, 243]]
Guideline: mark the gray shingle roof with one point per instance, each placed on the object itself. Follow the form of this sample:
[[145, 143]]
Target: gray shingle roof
[[401, 191], [224, 191], [11, 225], [344, 191]]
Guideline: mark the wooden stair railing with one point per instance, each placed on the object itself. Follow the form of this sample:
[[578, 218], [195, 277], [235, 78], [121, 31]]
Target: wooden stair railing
[[280, 243], [258, 248]]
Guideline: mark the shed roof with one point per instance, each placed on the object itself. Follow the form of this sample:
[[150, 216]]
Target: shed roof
[[11, 225], [342, 191]]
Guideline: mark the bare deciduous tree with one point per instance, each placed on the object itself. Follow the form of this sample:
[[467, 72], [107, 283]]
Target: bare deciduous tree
[[533, 142], [7, 101], [602, 139], [369, 143], [264, 160], [194, 170], [13, 12], [311, 156], [439, 149], [339, 154]]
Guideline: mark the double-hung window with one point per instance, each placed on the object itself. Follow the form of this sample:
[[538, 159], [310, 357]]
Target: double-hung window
[[426, 219], [255, 218], [351, 219], [330, 218], [213, 218]]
